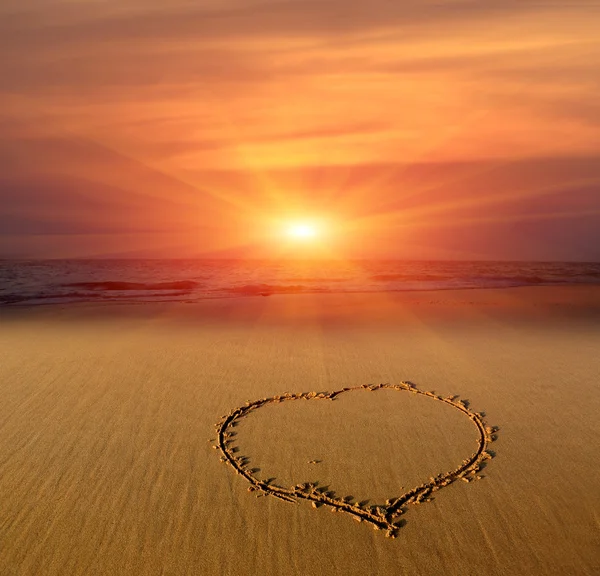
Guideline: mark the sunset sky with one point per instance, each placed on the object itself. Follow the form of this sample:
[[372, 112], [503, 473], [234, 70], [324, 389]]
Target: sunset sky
[[406, 128]]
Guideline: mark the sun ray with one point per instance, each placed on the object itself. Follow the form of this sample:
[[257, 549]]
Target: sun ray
[[535, 217], [405, 215], [188, 188]]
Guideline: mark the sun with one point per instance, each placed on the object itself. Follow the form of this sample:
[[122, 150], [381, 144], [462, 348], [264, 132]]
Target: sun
[[301, 231], [300, 236]]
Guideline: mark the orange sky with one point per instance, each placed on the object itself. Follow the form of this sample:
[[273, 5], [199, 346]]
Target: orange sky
[[416, 129]]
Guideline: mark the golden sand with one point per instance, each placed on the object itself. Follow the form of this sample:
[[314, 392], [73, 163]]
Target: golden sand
[[107, 412]]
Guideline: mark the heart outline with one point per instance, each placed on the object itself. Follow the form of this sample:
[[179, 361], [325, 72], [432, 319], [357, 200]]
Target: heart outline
[[381, 517]]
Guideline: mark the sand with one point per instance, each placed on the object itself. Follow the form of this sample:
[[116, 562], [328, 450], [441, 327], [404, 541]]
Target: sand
[[107, 428]]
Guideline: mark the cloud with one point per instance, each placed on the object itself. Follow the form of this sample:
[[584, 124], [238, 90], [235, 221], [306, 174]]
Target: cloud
[[66, 23], [148, 116]]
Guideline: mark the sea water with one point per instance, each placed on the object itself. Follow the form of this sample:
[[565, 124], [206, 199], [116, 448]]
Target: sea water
[[60, 281]]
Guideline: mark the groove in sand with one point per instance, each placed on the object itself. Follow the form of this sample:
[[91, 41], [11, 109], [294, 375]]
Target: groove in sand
[[383, 517]]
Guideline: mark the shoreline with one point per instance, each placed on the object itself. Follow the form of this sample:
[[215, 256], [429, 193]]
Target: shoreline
[[233, 294], [528, 302]]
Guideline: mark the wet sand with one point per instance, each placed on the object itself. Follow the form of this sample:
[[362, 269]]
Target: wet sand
[[108, 415]]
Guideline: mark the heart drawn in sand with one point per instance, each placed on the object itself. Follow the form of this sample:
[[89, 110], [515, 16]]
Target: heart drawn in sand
[[382, 517]]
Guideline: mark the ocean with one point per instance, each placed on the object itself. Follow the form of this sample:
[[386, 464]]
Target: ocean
[[61, 281]]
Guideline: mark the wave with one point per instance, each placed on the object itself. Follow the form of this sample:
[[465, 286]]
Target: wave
[[67, 297], [409, 277], [139, 286], [17, 298], [266, 289], [315, 279], [521, 280]]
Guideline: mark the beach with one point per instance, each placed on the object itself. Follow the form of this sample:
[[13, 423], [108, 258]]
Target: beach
[[107, 433]]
